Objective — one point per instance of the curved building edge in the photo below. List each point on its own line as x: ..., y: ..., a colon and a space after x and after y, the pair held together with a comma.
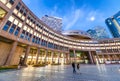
x: 22, y: 34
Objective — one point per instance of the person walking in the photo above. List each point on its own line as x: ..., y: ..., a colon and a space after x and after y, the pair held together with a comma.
x: 73, y: 65
x: 78, y: 67
x: 20, y: 63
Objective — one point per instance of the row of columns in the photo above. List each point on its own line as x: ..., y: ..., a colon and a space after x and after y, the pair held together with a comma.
x: 108, y: 57
x: 27, y: 52
x: 66, y: 57
x: 51, y: 55
x: 90, y: 56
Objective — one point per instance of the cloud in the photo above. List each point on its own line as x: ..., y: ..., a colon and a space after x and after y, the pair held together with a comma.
x: 86, y: 19
x: 91, y: 16
x: 95, y: 15
x: 54, y: 10
x: 74, y: 16
x: 82, y: 18
x: 74, y: 19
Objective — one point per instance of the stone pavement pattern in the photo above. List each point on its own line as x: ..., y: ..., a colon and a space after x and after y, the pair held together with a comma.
x: 64, y: 73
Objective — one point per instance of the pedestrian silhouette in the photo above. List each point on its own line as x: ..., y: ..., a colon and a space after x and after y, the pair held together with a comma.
x: 73, y: 65
x: 78, y: 66
x: 20, y: 63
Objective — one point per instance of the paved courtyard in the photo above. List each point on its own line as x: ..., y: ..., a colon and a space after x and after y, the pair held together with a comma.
x: 64, y: 73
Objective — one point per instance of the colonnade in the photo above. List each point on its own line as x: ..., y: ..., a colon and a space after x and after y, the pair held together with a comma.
x: 35, y: 55
x: 111, y: 58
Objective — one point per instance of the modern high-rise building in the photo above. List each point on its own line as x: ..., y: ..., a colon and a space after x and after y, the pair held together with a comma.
x: 98, y: 33
x: 113, y: 24
x: 53, y: 22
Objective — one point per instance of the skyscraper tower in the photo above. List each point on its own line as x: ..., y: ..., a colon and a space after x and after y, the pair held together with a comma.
x: 54, y: 22
x: 113, y: 24
x: 98, y: 32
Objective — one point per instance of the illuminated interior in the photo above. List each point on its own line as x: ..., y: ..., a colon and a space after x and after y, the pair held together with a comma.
x: 2, y: 13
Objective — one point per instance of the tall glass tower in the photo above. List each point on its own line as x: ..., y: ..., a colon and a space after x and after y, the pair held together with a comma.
x: 113, y: 24
x: 98, y: 32
x: 53, y: 22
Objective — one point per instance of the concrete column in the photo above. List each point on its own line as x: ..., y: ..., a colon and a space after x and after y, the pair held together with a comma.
x: 12, y: 51
x: 115, y: 57
x: 26, y: 55
x: 118, y: 57
x: 52, y: 54
x: 41, y: 56
x: 103, y: 58
x: 98, y: 58
x: 67, y: 58
x: 74, y: 55
x: 91, y: 59
x: 37, y: 55
x: 45, y: 56
x: 110, y: 57
x: 63, y: 58
x: 49, y: 56
x: 58, y: 57
x: 32, y: 54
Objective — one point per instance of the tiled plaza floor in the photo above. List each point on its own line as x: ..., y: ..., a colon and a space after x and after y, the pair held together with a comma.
x: 64, y: 73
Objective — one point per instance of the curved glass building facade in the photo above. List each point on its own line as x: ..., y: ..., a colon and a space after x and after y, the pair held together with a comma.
x: 22, y: 34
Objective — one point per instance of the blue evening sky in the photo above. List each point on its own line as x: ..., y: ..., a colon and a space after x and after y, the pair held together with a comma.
x: 76, y: 14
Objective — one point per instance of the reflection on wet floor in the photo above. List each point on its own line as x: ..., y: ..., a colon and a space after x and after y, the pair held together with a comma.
x: 64, y: 73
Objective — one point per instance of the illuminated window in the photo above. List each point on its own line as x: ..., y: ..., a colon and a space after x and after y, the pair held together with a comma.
x: 36, y: 27
x: 28, y: 29
x: 30, y: 23
x: 9, y: 5
x: 25, y: 28
x: 23, y: 17
x: 11, y: 18
x: 31, y: 31
x: 20, y: 24
x: 3, y: 1
x: 33, y: 25
x: 16, y: 22
x: 2, y: 13
x: 15, y: 11
x: 19, y: 14
x: 27, y: 21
